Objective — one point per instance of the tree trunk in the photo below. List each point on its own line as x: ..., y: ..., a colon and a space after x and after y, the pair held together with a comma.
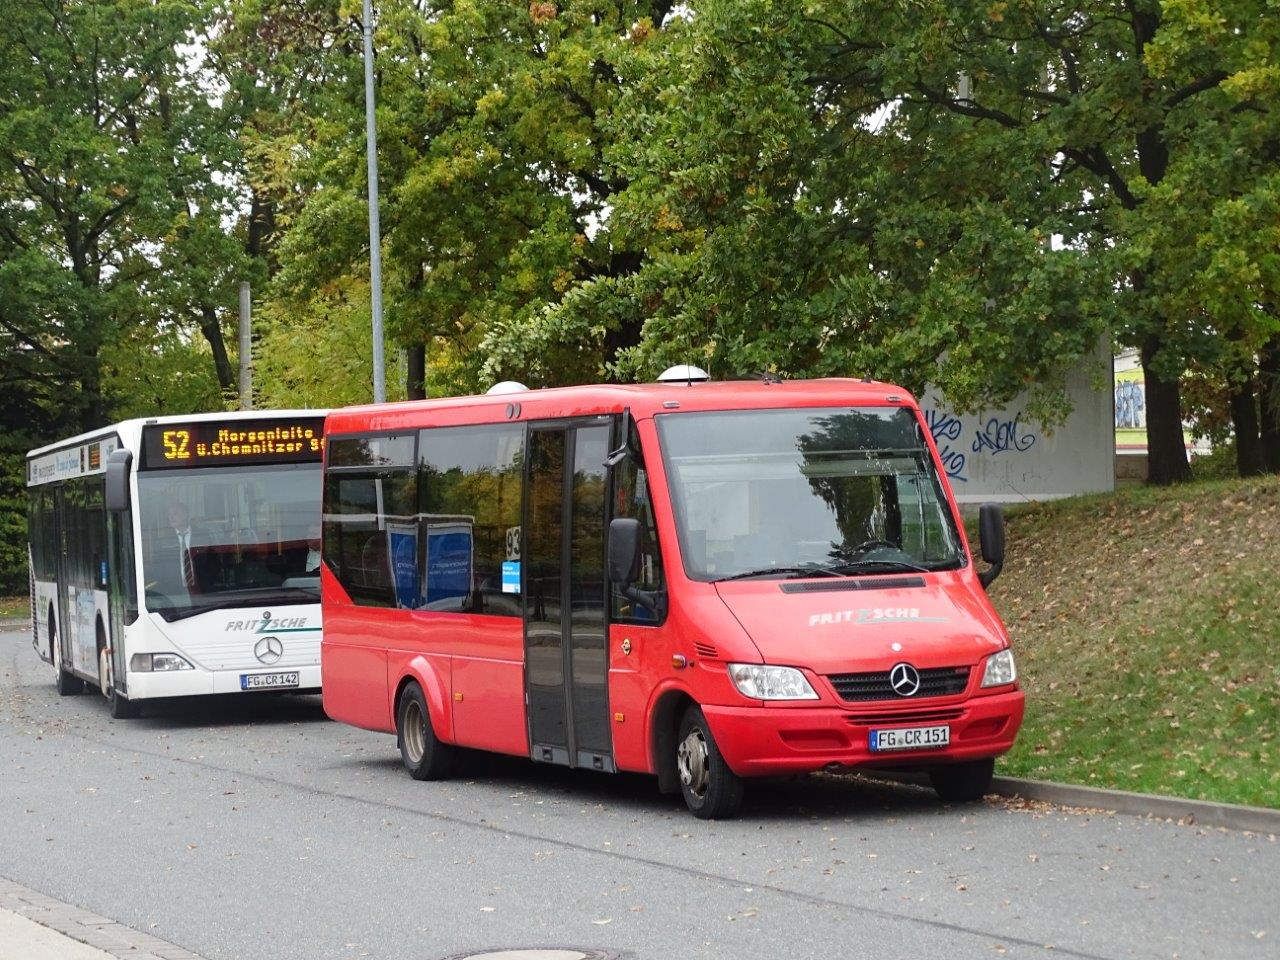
x: 1244, y: 421
x: 416, y: 366
x: 1166, y: 448
x: 93, y: 412
x: 212, y: 330
x: 1269, y: 397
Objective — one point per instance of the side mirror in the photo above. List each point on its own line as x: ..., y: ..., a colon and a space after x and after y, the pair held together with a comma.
x: 991, y: 539
x: 624, y: 551
x: 117, y: 492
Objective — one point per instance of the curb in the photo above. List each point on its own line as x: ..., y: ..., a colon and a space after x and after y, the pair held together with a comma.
x: 1201, y: 813
x: 112, y: 938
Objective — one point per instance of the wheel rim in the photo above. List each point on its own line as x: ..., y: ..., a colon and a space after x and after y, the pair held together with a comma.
x: 693, y: 760
x: 414, y: 732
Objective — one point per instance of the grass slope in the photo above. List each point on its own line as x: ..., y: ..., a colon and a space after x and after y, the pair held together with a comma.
x: 1147, y: 629
x: 14, y: 608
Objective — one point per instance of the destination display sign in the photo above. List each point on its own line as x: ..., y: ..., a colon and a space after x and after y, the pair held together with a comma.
x: 213, y: 443
x: 78, y: 461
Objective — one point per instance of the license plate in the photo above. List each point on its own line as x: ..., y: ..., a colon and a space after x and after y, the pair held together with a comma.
x: 268, y: 681
x: 910, y: 738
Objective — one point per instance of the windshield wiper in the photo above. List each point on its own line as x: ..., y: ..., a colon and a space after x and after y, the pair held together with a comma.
x: 793, y: 571
x: 904, y: 565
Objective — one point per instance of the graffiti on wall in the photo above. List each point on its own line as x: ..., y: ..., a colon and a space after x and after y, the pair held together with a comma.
x: 992, y: 436
x: 1131, y: 404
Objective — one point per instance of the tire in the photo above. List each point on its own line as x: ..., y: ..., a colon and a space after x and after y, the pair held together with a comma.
x: 66, y: 683
x: 121, y: 707
x: 963, y: 782
x: 425, y: 756
x: 711, y: 790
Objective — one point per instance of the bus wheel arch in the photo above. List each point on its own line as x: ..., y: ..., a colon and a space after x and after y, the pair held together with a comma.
x: 664, y: 728
x: 64, y: 681
x: 421, y: 672
x: 425, y: 755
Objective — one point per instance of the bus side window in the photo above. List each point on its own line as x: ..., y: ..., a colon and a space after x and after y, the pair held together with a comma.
x: 631, y: 499
x: 469, y: 502
x: 369, y: 529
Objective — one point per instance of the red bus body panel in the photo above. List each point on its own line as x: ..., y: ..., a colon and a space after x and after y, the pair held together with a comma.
x: 472, y: 667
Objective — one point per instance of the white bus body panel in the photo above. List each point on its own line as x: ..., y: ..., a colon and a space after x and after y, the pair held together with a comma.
x: 45, y: 599
x: 220, y: 645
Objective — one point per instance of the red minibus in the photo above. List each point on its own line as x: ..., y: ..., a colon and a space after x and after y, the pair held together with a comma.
x: 710, y: 582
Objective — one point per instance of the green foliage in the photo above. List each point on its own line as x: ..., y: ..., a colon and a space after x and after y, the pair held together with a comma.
x: 13, y: 523
x: 320, y: 357
x: 1218, y: 464
x: 111, y: 147
x: 1137, y: 621
x: 597, y: 189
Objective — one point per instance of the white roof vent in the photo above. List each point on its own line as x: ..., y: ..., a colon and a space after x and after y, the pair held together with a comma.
x: 684, y: 373
x: 507, y: 386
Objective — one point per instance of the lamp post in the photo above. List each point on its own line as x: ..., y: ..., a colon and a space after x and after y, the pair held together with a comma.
x: 375, y: 230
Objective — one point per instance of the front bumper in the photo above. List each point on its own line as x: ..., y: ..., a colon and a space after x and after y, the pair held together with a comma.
x: 771, y: 740
x: 194, y: 683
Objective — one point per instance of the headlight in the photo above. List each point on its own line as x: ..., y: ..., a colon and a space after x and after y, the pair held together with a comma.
x: 158, y: 662
x: 1000, y: 670
x: 770, y: 683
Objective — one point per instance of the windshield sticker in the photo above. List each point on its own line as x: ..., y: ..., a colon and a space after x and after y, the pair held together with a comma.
x: 873, y: 615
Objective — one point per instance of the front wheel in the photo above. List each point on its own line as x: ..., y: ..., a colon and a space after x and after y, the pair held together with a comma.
x: 425, y: 756
x: 121, y: 707
x: 711, y: 790
x: 963, y: 782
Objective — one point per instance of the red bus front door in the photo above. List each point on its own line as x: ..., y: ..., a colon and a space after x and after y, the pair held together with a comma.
x: 565, y: 590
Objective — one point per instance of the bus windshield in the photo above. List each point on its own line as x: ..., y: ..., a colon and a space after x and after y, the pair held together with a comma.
x: 805, y: 492
x: 230, y: 537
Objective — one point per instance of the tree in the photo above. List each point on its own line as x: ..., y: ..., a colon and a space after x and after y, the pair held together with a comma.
x: 110, y: 206
x: 495, y: 182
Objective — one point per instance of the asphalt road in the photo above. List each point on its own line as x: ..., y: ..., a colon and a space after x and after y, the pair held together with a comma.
x: 258, y: 829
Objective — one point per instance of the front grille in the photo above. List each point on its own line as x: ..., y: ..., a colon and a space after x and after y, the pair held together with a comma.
x: 934, y: 682
x: 866, y: 718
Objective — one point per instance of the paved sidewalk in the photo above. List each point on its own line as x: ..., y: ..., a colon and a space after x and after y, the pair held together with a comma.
x: 36, y: 927
x: 23, y: 939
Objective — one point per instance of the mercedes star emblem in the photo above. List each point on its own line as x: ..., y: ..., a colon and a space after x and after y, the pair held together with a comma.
x: 905, y: 680
x: 269, y: 650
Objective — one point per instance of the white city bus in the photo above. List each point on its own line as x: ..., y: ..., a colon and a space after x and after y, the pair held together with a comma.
x: 178, y: 556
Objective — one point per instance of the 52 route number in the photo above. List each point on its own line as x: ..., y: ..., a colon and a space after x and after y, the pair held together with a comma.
x: 177, y: 444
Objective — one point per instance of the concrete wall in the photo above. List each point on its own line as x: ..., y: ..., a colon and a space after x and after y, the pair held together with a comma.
x: 1003, y: 456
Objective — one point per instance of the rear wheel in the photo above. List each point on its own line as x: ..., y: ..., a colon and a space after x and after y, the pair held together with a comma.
x: 66, y: 683
x: 423, y: 753
x: 711, y: 790
x: 963, y: 782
